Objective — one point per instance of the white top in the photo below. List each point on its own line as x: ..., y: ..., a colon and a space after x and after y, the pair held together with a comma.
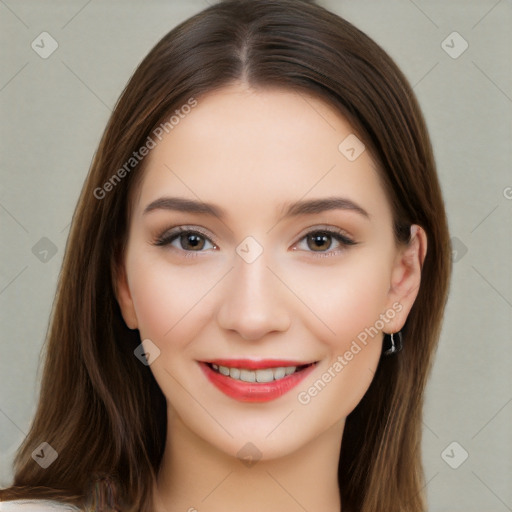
x: 35, y: 506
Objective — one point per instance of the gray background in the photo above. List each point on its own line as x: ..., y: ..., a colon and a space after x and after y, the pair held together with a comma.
x: 55, y: 109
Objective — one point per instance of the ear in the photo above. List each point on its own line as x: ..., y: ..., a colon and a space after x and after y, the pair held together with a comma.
x: 406, y: 277
x: 124, y: 297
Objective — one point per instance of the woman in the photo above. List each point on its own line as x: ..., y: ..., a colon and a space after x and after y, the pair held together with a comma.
x: 261, y: 231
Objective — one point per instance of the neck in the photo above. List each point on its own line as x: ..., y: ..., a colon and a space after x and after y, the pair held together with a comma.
x: 194, y: 476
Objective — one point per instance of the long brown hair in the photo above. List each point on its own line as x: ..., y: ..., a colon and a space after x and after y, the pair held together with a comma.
x: 99, y: 407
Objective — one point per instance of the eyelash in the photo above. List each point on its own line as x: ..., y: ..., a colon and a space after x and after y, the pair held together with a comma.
x: 167, y: 237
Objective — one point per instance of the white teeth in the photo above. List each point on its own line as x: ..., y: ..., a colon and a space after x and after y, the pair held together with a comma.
x: 263, y: 375
x: 234, y: 373
x: 247, y: 376
x: 279, y: 373
x: 266, y: 375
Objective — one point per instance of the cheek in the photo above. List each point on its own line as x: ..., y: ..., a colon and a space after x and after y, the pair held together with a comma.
x: 349, y: 301
x: 344, y: 298
x: 166, y: 298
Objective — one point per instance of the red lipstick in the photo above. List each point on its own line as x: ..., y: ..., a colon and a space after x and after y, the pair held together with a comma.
x: 253, y: 364
x: 255, y: 391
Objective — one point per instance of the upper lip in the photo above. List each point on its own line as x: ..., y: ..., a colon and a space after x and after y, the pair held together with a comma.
x: 257, y: 364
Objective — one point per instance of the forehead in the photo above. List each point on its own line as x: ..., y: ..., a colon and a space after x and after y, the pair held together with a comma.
x: 244, y: 145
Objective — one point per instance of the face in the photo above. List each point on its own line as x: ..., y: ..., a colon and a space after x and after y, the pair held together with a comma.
x: 262, y: 270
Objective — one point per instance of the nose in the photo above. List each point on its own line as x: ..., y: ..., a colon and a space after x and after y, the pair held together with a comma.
x: 253, y: 302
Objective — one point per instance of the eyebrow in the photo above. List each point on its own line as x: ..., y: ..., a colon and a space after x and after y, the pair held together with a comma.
x: 304, y: 207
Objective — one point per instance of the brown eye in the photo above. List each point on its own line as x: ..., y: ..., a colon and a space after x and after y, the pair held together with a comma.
x: 191, y: 241
x: 319, y: 241
x: 325, y: 241
x: 185, y: 240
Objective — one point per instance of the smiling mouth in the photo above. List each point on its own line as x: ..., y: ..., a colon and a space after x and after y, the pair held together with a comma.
x: 250, y: 380
x: 262, y: 375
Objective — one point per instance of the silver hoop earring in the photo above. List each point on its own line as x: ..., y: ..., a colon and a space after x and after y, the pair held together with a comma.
x: 395, y: 346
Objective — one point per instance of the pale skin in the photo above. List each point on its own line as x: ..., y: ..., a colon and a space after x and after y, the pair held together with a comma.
x: 252, y: 153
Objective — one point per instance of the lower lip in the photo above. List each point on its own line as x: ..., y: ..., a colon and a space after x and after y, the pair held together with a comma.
x: 253, y: 391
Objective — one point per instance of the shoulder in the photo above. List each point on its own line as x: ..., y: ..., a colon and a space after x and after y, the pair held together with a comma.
x: 35, y: 506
